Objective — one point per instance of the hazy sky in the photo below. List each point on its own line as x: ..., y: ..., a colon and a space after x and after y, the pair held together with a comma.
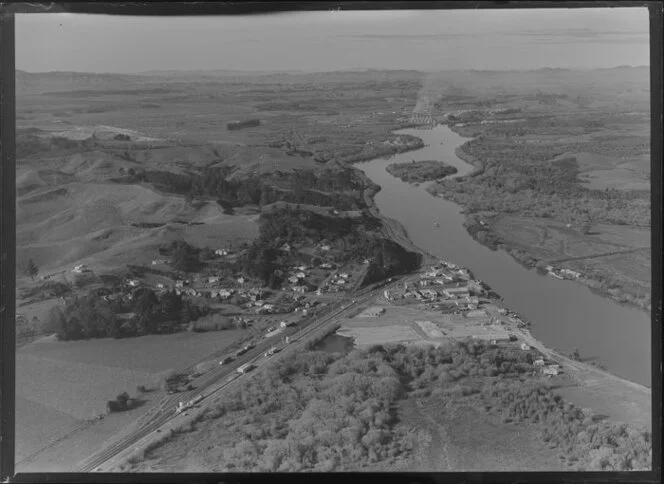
x: 406, y: 39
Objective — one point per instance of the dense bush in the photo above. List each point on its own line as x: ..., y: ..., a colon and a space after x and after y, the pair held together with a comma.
x: 420, y: 171
x: 522, y: 179
x: 92, y: 317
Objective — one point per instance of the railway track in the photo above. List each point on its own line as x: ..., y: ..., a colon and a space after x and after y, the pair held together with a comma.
x: 112, y: 454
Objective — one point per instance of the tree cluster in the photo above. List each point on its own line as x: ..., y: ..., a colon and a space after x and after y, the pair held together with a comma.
x: 91, y: 316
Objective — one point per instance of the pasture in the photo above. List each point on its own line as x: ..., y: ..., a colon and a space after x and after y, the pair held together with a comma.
x: 60, y: 385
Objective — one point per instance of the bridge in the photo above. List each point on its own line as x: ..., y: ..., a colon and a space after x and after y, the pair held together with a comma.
x: 425, y: 120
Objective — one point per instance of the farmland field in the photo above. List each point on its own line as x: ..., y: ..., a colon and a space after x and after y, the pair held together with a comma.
x: 62, y: 384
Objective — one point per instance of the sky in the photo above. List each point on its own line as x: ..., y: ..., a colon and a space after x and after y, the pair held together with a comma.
x: 425, y: 40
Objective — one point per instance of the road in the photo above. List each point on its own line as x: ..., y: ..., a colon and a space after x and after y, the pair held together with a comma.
x: 220, y: 379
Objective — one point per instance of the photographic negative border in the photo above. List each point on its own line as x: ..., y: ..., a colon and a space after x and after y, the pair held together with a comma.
x: 8, y: 228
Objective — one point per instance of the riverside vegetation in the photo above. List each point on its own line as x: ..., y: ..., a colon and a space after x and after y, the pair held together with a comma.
x: 420, y: 171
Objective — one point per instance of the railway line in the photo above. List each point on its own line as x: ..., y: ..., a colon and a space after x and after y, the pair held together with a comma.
x: 220, y: 379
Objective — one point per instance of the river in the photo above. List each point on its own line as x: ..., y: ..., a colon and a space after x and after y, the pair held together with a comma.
x: 564, y: 315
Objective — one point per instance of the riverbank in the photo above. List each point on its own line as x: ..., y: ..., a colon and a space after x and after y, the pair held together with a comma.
x: 391, y: 228
x: 485, y: 229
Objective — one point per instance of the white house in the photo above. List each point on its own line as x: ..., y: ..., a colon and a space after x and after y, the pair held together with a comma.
x: 179, y: 283
x: 300, y: 288
x: 456, y: 292
x: 240, y: 280
x: 344, y: 275
x: 224, y: 293
x: 160, y: 286
x: 300, y: 275
x: 326, y: 266
x: 550, y: 370
x: 325, y: 247
x: 293, y: 279
x: 570, y: 273
x: 538, y: 362
x: 525, y: 347
x: 213, y: 280
x: 133, y: 282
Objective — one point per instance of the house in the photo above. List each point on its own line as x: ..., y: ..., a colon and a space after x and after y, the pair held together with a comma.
x: 326, y: 266
x: 344, y: 275
x: 340, y: 282
x: 451, y: 292
x: 214, y: 294
x: 224, y: 293
x: 285, y: 248
x: 300, y: 288
x: 301, y: 268
x: 286, y: 324
x: 551, y: 370
x: 425, y: 282
x: 133, y: 282
x: 160, y: 286
x: 538, y: 362
x: 293, y: 279
x: 240, y: 280
x: 525, y: 347
x: 475, y: 286
x: 179, y: 283
x: 325, y: 248
x: 463, y: 273
x: 571, y: 273
x: 221, y: 252
x: 213, y: 280
x: 300, y: 275
x: 386, y: 293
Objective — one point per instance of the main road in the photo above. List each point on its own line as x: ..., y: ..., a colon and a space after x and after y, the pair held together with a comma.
x: 222, y: 378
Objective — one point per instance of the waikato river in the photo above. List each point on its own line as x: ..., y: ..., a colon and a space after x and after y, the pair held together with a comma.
x: 565, y: 315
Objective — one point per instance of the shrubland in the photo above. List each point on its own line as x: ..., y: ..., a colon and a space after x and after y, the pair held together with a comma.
x: 316, y: 411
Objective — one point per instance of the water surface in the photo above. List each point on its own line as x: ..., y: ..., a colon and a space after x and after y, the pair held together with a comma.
x: 565, y: 315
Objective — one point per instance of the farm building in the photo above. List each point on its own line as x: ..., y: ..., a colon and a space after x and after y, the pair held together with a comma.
x: 456, y: 292
x: 247, y: 123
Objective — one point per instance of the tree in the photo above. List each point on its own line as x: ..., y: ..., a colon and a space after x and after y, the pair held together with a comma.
x: 31, y: 269
x: 184, y: 260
